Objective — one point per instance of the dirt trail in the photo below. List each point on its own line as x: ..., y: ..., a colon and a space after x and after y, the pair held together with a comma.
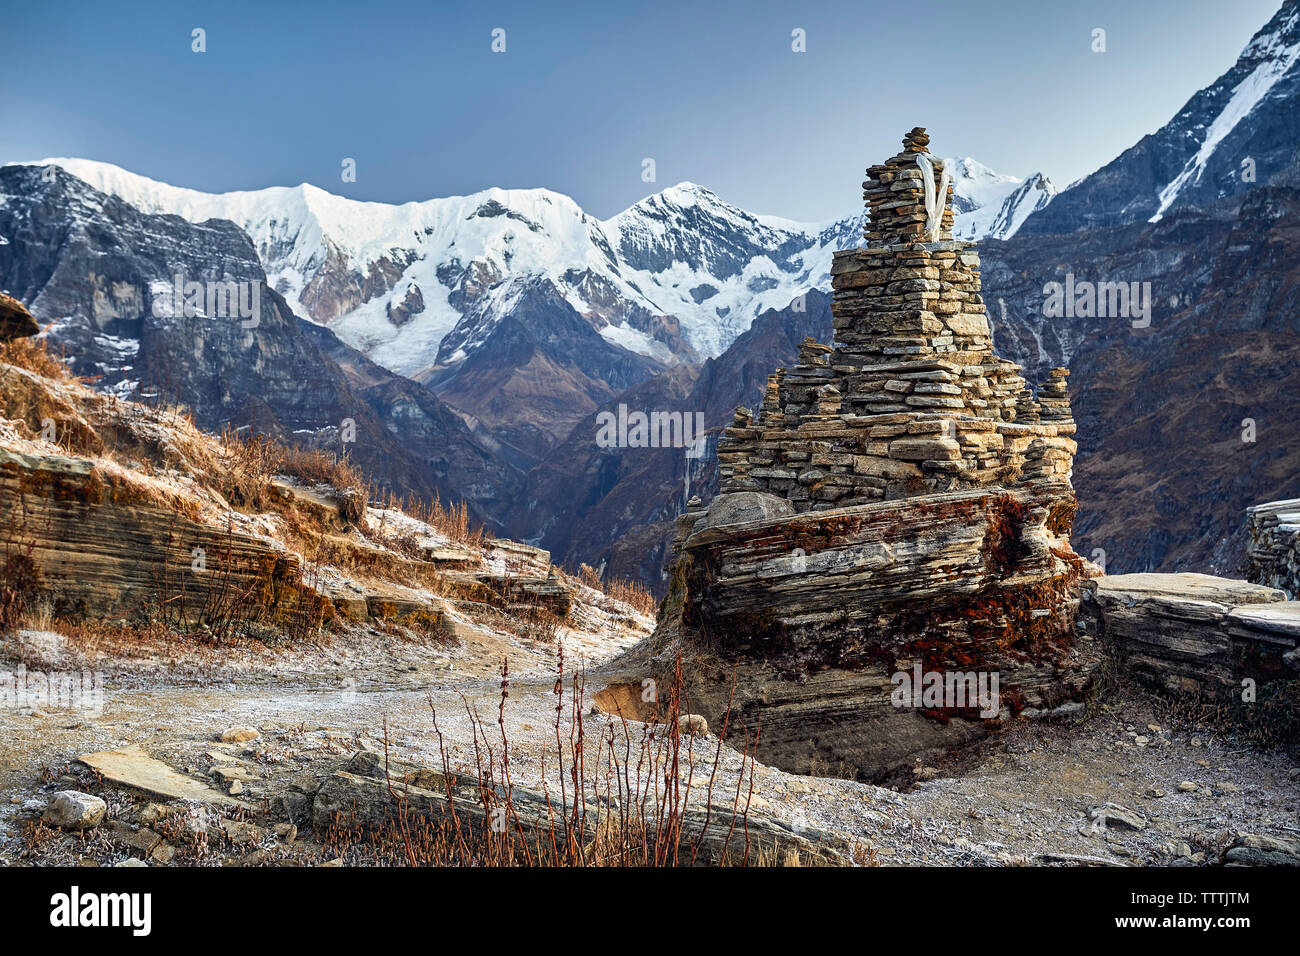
x: 1024, y: 796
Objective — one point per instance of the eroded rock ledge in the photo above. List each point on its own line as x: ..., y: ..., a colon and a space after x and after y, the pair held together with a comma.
x: 816, y: 613
x: 1198, y: 637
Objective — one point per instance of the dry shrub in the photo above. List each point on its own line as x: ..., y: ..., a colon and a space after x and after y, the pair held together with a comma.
x: 452, y: 521
x: 20, y: 582
x: 619, y: 798
x: 33, y: 354
x: 588, y: 576
x: 319, y: 467
x: 32, y: 402
x: 1270, y: 722
x: 632, y: 593
x: 253, y: 463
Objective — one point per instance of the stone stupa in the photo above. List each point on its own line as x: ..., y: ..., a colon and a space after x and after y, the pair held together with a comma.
x: 900, y: 504
x: 910, y: 399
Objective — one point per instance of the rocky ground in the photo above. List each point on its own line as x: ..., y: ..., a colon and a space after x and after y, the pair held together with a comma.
x: 1127, y: 784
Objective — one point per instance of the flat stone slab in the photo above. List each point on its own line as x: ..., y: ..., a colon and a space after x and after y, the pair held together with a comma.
x: 1282, y: 618
x: 1188, y: 586
x: 440, y: 554
x: 518, y: 547
x: 132, y: 767
x: 1287, y: 504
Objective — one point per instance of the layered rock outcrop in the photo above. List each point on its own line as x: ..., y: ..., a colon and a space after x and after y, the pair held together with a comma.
x: 102, y: 546
x: 1194, y: 635
x: 1206, y: 642
x: 1273, y: 555
x: 896, y: 516
x: 110, y: 510
x: 103, y: 543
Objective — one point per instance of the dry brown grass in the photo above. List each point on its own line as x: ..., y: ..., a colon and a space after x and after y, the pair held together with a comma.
x: 151, y: 640
x: 1272, y: 722
x: 631, y: 593
x: 33, y: 403
x: 34, y: 356
x: 253, y: 462
x: 320, y: 467
x: 451, y: 521
x: 618, y: 799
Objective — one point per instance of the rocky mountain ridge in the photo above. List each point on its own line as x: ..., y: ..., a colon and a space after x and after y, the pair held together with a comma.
x: 675, y: 277
x: 100, y: 274
x: 1240, y: 131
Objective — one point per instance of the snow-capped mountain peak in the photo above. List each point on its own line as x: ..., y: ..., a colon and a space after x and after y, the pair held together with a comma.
x: 676, y: 276
x: 686, y: 194
x: 1237, y: 132
x: 1269, y: 56
x: 993, y: 205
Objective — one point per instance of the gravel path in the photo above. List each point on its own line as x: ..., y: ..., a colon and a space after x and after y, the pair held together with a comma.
x: 1024, y: 796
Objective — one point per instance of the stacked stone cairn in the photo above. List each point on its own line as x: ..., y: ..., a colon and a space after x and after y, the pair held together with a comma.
x: 910, y: 398
x: 900, y: 501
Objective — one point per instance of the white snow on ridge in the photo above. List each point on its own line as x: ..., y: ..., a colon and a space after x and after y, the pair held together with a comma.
x: 1249, y: 93
x: 714, y: 297
x: 683, y: 252
x: 1002, y: 203
x: 298, y: 230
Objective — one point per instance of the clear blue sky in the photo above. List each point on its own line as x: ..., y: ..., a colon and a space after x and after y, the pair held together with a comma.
x: 585, y: 91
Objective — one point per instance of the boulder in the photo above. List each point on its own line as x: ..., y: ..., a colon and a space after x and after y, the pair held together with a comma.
x: 74, y: 810
x: 1112, y: 815
x: 1184, y: 587
x: 401, y: 773
x: 693, y: 724
x: 238, y: 735
x: 98, y: 543
x: 1261, y: 850
x: 15, y: 321
x: 817, y: 614
x: 743, y: 506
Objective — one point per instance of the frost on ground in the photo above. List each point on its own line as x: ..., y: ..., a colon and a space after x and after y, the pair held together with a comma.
x: 1124, y: 786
